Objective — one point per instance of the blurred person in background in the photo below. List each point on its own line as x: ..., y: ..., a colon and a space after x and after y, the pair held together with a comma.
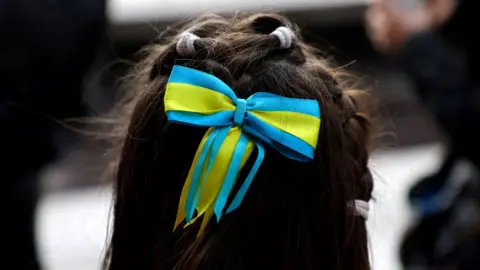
x: 436, y: 46
x: 47, y: 47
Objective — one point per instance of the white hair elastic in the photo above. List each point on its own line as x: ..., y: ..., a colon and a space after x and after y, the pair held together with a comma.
x: 361, y: 208
x: 284, y: 35
x: 186, y: 44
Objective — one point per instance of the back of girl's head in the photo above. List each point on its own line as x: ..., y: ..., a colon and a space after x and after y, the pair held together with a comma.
x: 295, y: 215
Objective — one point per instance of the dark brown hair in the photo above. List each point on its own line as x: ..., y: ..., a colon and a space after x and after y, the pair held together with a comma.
x: 295, y: 215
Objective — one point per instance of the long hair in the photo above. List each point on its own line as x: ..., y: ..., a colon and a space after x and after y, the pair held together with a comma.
x: 295, y: 215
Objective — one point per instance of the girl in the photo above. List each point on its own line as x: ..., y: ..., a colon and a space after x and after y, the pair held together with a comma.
x: 242, y: 151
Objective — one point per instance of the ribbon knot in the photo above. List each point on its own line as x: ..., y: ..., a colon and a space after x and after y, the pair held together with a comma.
x: 290, y: 126
x: 240, y: 112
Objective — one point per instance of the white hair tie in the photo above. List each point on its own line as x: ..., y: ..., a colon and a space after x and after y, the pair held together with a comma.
x: 186, y: 44
x: 284, y: 35
x: 361, y: 208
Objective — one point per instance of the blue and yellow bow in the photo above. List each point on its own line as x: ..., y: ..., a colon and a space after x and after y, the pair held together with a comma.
x: 192, y: 97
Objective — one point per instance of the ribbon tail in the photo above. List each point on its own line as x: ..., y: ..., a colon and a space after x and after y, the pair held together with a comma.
x: 198, y: 174
x: 237, y: 200
x: 219, y: 171
x: 216, y: 146
x: 232, y: 174
x: 189, y: 183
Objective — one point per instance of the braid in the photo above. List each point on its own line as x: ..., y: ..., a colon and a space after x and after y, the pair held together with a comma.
x: 357, y: 127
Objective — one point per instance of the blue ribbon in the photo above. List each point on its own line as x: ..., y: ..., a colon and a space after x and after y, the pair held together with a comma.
x: 254, y: 129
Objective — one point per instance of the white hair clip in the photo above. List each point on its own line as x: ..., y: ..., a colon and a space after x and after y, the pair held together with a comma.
x: 186, y: 44
x: 284, y: 35
x: 361, y: 208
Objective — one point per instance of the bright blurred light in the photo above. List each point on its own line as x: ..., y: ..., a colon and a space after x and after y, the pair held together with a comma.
x: 128, y: 11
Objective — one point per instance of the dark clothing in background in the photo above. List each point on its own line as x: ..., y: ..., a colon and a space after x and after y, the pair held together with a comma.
x: 461, y: 31
x: 443, y: 82
x: 447, y: 239
x: 444, y: 65
x: 47, y: 47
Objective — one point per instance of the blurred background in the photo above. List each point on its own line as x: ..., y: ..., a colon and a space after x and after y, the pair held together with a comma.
x: 63, y: 59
